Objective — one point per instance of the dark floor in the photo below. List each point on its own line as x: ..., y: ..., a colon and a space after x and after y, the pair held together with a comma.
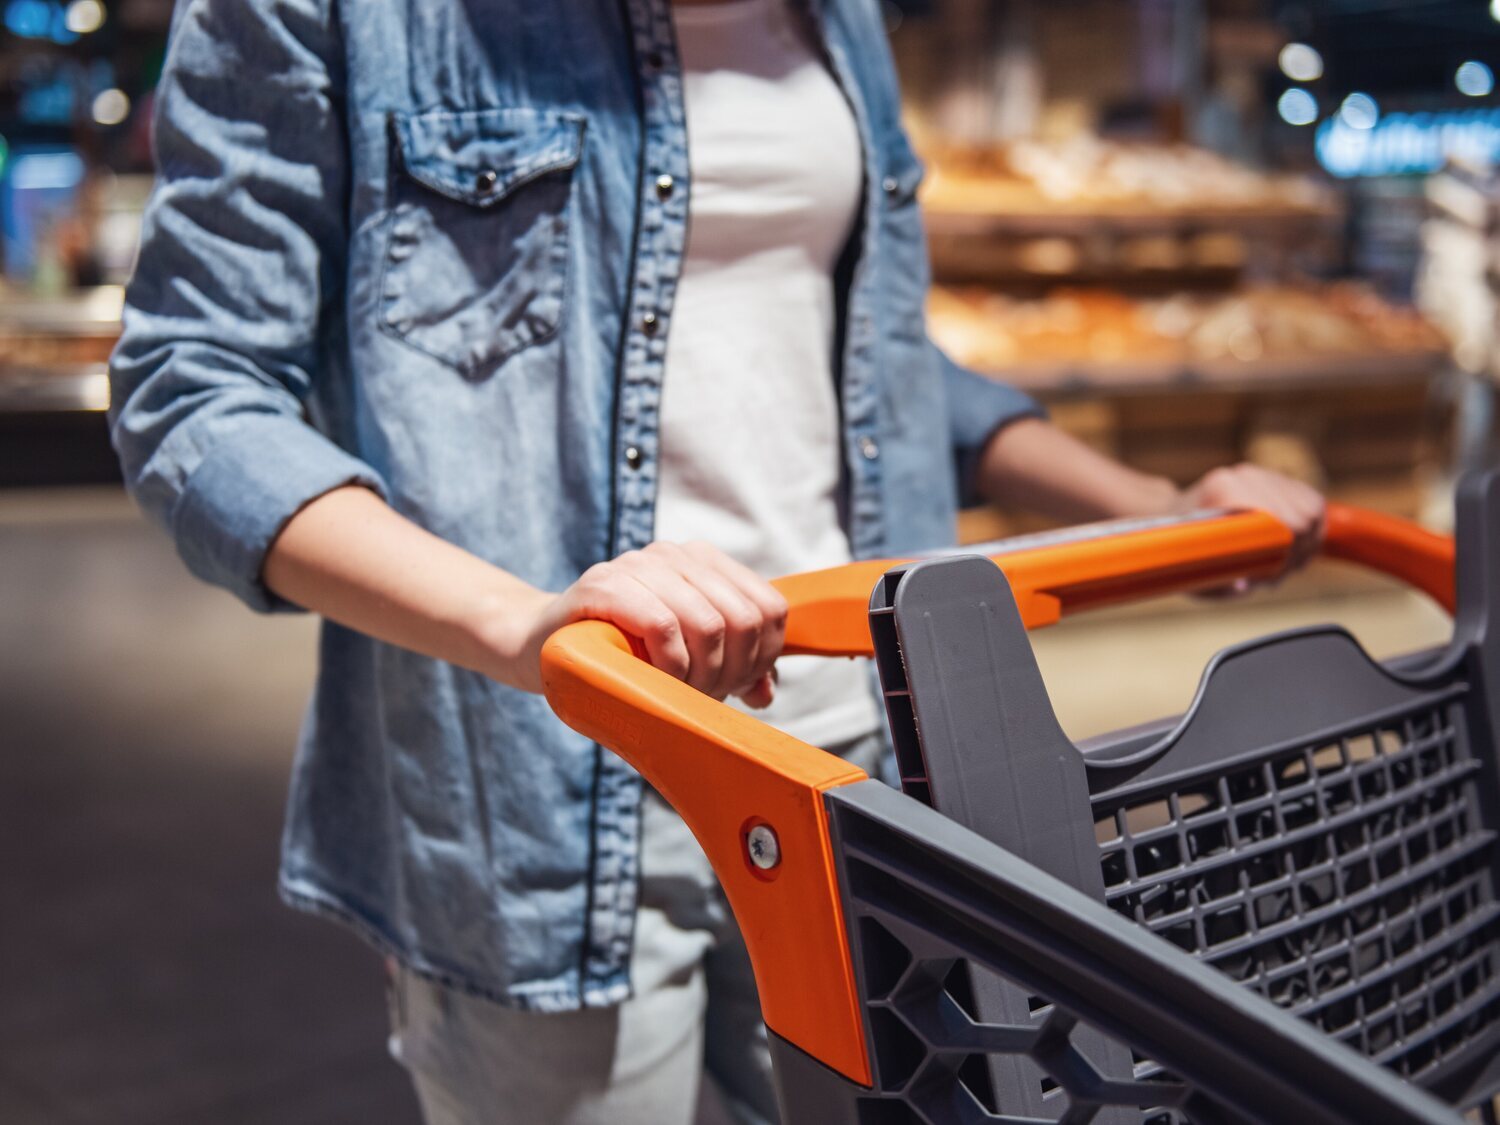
x: 148, y: 973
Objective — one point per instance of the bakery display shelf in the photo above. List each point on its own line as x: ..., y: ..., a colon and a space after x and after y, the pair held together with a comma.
x: 88, y: 312
x: 1086, y: 207
x: 947, y: 220
x: 62, y: 389
x: 1063, y: 378
x: 42, y: 336
x: 1020, y: 252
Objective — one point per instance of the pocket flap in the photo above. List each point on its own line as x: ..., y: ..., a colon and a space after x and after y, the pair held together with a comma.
x: 479, y: 157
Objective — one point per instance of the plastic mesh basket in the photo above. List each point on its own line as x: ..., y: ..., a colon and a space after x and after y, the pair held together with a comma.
x: 1317, y: 828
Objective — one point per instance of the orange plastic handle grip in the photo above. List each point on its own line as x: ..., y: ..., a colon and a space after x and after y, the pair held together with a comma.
x: 726, y: 773
x: 828, y: 606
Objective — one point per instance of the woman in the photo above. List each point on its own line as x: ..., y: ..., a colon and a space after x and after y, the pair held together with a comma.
x: 459, y: 320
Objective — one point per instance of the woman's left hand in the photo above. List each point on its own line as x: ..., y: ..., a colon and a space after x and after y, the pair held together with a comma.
x: 1295, y: 504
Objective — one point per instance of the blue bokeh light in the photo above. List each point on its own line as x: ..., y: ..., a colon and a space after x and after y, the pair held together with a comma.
x: 1297, y: 107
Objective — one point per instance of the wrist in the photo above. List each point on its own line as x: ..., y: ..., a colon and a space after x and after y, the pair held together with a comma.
x: 1158, y: 496
x: 498, y: 633
x: 1136, y: 495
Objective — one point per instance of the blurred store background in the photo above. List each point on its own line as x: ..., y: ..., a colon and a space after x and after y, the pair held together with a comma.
x: 1201, y: 230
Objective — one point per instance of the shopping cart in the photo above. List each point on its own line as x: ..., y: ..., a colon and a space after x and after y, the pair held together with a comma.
x: 1315, y: 839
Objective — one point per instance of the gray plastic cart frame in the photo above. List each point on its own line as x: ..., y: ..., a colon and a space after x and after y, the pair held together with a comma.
x: 985, y: 960
x: 1317, y: 826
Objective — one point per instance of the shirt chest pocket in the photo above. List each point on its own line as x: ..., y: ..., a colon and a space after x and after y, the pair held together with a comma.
x: 476, y: 262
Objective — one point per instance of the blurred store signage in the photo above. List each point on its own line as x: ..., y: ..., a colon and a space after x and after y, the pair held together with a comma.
x: 1409, y: 143
x: 35, y: 197
x: 40, y: 19
x: 46, y: 171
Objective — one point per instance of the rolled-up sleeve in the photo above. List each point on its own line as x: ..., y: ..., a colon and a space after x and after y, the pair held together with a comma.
x: 242, y: 257
x: 978, y: 409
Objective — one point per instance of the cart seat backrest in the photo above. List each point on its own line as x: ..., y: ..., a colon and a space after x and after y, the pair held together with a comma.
x: 1318, y: 827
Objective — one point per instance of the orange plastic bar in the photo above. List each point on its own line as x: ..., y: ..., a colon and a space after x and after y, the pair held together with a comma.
x: 1418, y: 557
x: 829, y: 606
x: 1050, y: 581
x: 727, y: 773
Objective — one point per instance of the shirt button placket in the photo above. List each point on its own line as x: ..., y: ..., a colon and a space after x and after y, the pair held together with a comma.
x: 661, y: 203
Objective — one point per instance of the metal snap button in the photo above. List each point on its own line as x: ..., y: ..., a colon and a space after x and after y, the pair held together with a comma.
x: 650, y: 324
x: 869, y: 448
x: 890, y: 185
x: 634, y: 456
x: 664, y: 186
x: 485, y: 182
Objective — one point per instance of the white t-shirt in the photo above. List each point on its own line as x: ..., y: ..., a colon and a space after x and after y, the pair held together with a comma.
x: 749, y: 417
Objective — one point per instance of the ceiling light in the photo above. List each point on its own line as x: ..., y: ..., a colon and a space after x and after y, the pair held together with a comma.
x: 1474, y: 79
x: 1297, y: 107
x: 1302, y: 63
x: 84, y: 16
x: 1359, y: 111
x: 111, y: 107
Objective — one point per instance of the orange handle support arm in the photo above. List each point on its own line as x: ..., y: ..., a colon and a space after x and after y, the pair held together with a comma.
x: 727, y: 773
x: 1418, y: 557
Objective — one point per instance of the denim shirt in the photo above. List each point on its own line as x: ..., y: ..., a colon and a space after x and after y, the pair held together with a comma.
x: 431, y: 246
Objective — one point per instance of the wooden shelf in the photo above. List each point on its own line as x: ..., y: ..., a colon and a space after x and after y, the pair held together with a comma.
x: 946, y: 221
x: 1069, y: 378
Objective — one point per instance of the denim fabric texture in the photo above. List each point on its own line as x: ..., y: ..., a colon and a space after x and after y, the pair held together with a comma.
x: 422, y: 245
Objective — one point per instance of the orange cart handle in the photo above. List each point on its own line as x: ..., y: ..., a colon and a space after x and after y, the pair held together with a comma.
x: 1422, y: 559
x: 727, y: 773
x: 1098, y: 566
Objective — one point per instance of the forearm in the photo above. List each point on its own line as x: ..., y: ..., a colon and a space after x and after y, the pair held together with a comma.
x: 701, y: 616
x: 353, y: 559
x: 1032, y: 464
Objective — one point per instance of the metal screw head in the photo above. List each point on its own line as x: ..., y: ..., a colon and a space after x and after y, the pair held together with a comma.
x: 764, y: 848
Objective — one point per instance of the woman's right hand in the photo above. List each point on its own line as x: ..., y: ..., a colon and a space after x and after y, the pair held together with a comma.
x: 702, y: 617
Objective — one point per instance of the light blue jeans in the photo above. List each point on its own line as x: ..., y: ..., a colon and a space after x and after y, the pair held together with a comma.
x: 695, y: 1011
